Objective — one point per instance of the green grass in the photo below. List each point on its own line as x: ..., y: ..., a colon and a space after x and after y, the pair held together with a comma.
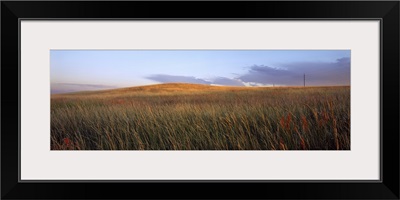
x: 197, y: 117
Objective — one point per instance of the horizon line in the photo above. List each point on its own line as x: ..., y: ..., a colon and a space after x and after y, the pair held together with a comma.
x: 183, y: 83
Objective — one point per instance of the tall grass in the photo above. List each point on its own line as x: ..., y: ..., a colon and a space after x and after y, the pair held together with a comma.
x: 161, y: 118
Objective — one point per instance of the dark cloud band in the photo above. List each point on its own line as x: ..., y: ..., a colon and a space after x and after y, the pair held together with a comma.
x: 317, y: 73
x: 289, y: 74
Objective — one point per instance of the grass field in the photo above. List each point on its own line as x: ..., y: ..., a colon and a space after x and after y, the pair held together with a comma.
x: 202, y: 117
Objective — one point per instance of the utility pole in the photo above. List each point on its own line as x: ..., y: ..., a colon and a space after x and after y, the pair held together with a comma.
x: 304, y: 80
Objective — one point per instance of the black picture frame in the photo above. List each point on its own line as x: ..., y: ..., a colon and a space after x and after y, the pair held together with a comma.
x: 386, y: 11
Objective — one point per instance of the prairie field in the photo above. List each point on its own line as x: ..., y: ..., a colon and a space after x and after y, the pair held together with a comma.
x: 202, y: 117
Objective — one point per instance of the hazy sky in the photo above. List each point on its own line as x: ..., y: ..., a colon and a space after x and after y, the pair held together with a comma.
x: 78, y: 70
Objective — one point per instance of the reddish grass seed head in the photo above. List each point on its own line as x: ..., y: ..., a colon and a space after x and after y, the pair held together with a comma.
x: 66, y: 141
x: 282, y: 122
x: 304, y: 122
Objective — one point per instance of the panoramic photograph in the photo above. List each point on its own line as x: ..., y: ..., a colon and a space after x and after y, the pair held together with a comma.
x: 200, y: 99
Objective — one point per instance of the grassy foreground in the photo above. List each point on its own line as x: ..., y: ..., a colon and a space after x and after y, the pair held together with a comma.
x: 199, y: 117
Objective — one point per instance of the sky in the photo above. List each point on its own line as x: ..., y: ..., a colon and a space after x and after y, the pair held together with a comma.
x: 84, y: 70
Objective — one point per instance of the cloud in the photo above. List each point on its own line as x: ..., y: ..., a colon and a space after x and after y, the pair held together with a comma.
x: 163, y: 78
x: 227, y: 81
x: 268, y: 75
x: 284, y: 74
x: 57, y: 88
x: 317, y: 73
